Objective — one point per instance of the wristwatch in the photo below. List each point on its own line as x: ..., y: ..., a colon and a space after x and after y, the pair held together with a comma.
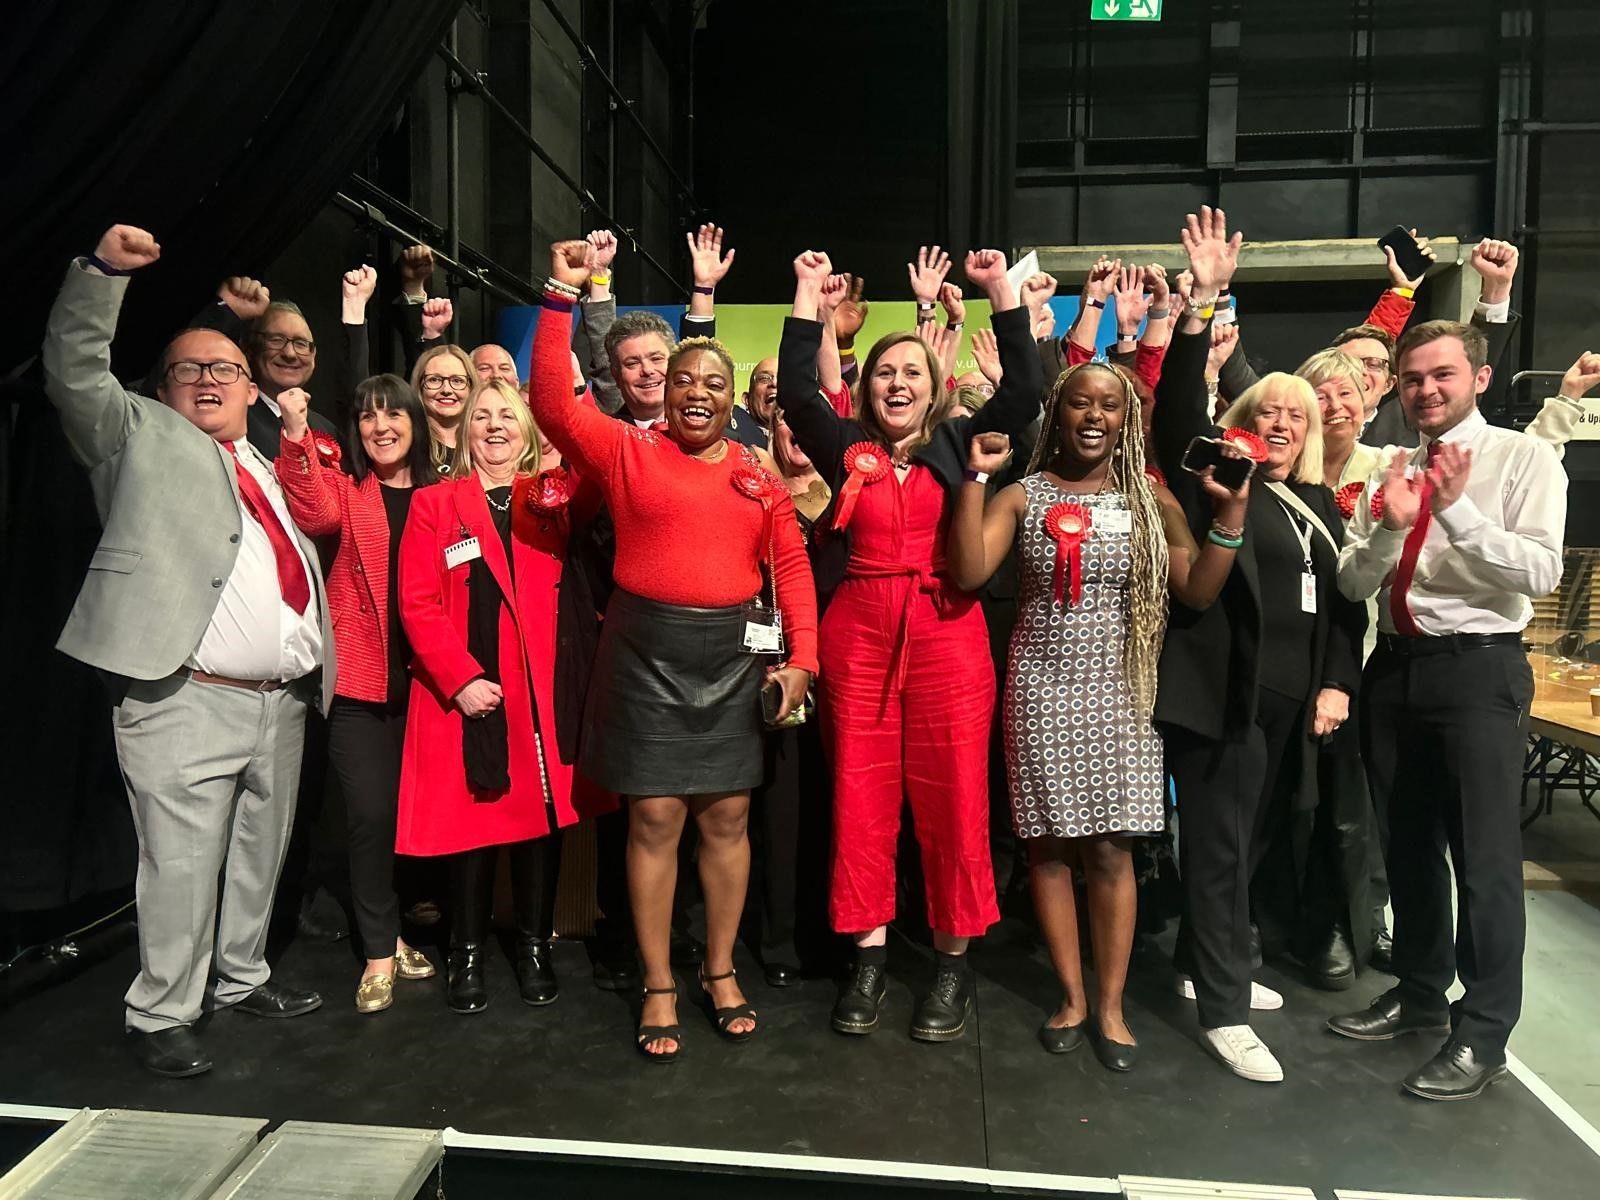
x: 972, y: 476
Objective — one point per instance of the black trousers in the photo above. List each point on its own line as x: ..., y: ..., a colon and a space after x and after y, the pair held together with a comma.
x: 1446, y: 736
x: 535, y: 866
x: 365, y: 741
x: 1225, y: 791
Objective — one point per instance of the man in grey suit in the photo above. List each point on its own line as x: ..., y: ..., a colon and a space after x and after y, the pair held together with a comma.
x: 204, y: 609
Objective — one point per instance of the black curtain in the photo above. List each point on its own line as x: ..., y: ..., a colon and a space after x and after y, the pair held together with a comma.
x: 222, y: 128
x: 981, y: 165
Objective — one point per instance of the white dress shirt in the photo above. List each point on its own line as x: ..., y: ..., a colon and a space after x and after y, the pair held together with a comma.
x: 1486, y: 554
x: 253, y: 633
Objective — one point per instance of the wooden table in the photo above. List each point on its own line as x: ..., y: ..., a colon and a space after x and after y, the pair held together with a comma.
x: 1563, y: 732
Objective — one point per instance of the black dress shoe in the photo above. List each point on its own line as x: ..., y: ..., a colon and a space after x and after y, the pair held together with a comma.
x: 275, y: 1000
x: 1388, y: 1017
x: 1333, y: 967
x: 941, y: 1015
x: 536, y: 974
x: 1457, y: 1072
x: 1114, y: 1056
x: 618, y: 971
x: 175, y: 1053
x: 321, y: 919
x: 856, y: 1010
x: 1061, y: 1039
x: 686, y: 950
x: 1382, y: 957
x: 780, y: 974
x: 465, y: 990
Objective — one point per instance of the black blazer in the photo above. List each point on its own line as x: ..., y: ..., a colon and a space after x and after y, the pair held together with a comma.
x: 1211, y: 663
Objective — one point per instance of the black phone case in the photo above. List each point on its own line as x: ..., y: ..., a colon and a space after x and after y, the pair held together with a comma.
x: 1412, y: 260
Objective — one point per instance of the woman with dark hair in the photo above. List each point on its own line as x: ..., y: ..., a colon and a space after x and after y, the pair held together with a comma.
x: 1082, y: 757
x: 907, y: 682
x: 481, y: 568
x: 368, y: 509
x: 674, y: 712
x: 443, y: 377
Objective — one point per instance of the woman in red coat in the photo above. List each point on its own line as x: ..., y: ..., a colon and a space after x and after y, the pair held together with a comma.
x: 479, y: 568
x: 367, y: 509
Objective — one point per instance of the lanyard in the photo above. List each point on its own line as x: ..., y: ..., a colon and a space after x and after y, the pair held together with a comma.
x: 1302, y: 534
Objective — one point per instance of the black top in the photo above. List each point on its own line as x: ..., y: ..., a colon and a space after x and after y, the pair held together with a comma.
x: 1287, y: 630
x: 397, y: 507
x: 499, y: 500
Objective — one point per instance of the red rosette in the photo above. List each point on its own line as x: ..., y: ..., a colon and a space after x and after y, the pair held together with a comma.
x: 754, y: 482
x: 551, y: 490
x: 864, y: 463
x: 1377, y: 504
x: 327, y: 448
x: 1253, y: 447
x: 1346, y: 498
x: 1154, y: 475
x: 1068, y: 524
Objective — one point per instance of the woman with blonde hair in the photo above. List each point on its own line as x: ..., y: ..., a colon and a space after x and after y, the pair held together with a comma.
x: 480, y: 568
x: 1083, y: 760
x: 443, y: 377
x: 1251, y: 683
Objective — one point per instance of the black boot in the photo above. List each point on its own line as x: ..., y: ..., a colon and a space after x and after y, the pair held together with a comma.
x: 856, y: 1010
x: 1333, y: 967
x: 466, y: 990
x: 536, y: 974
x: 941, y: 1015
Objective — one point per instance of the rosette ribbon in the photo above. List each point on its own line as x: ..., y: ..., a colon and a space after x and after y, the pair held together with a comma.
x: 1346, y: 498
x: 1377, y: 504
x: 551, y: 489
x: 327, y: 448
x: 1068, y: 524
x: 864, y: 463
x: 1248, y: 443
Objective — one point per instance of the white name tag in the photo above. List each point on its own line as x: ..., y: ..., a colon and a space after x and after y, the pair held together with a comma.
x: 462, y: 552
x: 1116, y: 520
x: 1308, y: 593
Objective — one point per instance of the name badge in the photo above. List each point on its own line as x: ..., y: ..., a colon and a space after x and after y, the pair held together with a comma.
x: 462, y: 552
x: 1114, y: 520
x: 763, y: 630
x: 1308, y: 593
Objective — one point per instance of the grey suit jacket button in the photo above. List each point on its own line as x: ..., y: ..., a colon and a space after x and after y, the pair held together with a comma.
x: 234, y: 538
x: 216, y: 581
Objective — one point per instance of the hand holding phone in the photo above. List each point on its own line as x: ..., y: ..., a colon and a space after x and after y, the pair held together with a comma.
x: 1228, y: 468
x: 1408, y: 255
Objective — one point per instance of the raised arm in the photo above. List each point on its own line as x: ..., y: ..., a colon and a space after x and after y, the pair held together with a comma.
x: 1558, y: 419
x: 355, y: 292
x: 820, y: 431
x: 314, y: 493
x: 1196, y: 571
x: 1097, y: 290
x: 596, y: 312
x: 981, y: 535
x: 708, y: 265
x: 1016, y: 399
x: 848, y: 319
x: 830, y: 374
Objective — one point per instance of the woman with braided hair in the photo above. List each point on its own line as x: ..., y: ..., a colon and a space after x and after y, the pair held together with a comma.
x: 1099, y: 547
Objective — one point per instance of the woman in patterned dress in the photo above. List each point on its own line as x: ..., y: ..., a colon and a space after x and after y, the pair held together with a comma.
x: 1083, y: 759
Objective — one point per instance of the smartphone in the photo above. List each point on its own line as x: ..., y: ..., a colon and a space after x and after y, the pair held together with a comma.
x: 771, y: 701
x: 1227, y: 470
x: 1411, y: 260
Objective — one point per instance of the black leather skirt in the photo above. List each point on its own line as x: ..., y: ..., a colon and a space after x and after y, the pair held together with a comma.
x: 674, y: 705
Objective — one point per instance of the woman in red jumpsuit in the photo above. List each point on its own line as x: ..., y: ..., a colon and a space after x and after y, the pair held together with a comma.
x: 906, y: 681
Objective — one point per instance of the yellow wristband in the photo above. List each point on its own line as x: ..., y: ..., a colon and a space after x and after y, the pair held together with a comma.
x: 602, y: 279
x: 1405, y: 293
x: 1206, y: 313
x: 847, y: 351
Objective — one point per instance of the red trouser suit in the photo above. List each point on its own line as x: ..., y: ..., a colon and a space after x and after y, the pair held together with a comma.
x: 907, y: 696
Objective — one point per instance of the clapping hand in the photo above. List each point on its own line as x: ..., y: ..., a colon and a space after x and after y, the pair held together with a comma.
x: 1448, y: 474
x: 1402, y: 493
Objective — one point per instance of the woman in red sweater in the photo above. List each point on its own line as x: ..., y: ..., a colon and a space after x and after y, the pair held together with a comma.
x: 367, y: 509
x: 480, y: 564
x: 673, y: 719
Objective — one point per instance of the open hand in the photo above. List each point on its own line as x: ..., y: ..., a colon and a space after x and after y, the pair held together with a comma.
x: 986, y: 349
x: 1448, y: 473
x: 927, y: 273
x: 1132, y: 303
x: 706, y: 259
x: 1213, y: 255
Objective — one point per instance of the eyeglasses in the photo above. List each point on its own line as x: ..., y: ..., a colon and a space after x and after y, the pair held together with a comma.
x: 1374, y: 364
x: 223, y: 372
x: 764, y: 377
x: 432, y: 383
x: 986, y: 389
x: 277, y: 341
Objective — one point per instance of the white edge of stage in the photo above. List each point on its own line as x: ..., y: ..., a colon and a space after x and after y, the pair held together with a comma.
x: 37, y: 1112
x: 813, y: 1164
x: 1551, y: 1099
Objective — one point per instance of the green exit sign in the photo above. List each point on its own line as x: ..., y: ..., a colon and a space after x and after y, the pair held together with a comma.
x: 1125, y: 10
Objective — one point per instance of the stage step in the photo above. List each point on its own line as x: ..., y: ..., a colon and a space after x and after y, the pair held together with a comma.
x: 117, y: 1154
x: 1144, y: 1187
x: 305, y: 1160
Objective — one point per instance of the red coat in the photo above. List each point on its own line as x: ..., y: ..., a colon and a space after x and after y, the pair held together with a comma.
x: 323, y: 500
x: 439, y: 813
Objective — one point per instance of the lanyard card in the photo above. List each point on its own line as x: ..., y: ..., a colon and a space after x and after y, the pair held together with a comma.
x: 763, y: 629
x: 1113, y: 520
x: 1308, y: 592
x: 462, y: 552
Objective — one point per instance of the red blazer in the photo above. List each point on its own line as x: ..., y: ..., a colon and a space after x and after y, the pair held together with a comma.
x: 439, y: 813
x: 324, y: 500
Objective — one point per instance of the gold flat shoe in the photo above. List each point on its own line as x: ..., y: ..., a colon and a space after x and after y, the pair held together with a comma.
x: 375, y: 994
x: 410, y: 963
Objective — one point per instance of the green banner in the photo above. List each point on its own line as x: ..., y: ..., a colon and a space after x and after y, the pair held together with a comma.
x: 1125, y: 10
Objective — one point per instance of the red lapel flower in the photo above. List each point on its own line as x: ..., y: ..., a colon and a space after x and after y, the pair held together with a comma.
x: 1068, y: 524
x: 327, y: 448
x: 1253, y: 447
x: 1346, y: 498
x: 551, y: 489
x: 1377, y: 504
x: 864, y: 463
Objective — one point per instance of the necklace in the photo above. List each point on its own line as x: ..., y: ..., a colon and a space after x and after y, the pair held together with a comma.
x: 506, y: 507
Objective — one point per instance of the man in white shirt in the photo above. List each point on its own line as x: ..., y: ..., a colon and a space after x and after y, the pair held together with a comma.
x: 1454, y: 539
x: 204, y: 609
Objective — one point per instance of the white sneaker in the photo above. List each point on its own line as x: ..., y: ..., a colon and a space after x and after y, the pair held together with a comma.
x: 1242, y: 1052
x: 1262, y: 998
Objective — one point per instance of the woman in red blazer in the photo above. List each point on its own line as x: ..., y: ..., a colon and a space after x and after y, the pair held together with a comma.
x: 367, y: 509
x: 480, y: 564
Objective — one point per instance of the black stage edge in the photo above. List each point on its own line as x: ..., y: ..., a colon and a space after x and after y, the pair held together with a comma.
x: 993, y: 1101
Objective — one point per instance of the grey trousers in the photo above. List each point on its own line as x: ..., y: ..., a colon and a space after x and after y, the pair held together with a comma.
x: 212, y: 773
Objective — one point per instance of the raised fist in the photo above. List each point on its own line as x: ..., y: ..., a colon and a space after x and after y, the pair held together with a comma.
x: 986, y: 268
x: 955, y: 309
x: 1581, y: 376
x: 1037, y: 290
x: 293, y: 403
x: 604, y: 243
x: 835, y: 289
x: 416, y: 270
x: 988, y: 452
x: 358, y: 285
x: 1496, y: 262
x: 127, y: 248
x: 813, y: 266
x: 436, y: 317
x: 248, y: 298
x: 569, y: 262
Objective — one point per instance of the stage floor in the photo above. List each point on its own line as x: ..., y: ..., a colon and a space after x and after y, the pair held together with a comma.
x: 993, y: 1100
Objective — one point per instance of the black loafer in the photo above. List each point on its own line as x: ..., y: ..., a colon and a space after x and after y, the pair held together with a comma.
x: 536, y: 974
x: 465, y: 989
x: 780, y: 974
x: 941, y: 1015
x: 856, y: 1010
x: 1387, y: 1018
x: 1333, y: 967
x: 1455, y: 1073
x: 1114, y: 1056
x: 175, y: 1053
x: 1061, y: 1039
x: 274, y: 1000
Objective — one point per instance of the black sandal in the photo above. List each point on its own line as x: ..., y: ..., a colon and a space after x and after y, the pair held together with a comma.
x: 650, y: 1033
x: 724, y: 1017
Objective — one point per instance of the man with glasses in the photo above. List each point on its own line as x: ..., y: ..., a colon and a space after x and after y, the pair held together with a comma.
x: 205, y: 612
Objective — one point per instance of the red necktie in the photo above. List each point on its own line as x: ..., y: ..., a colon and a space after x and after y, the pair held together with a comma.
x: 292, y: 581
x: 1399, y: 613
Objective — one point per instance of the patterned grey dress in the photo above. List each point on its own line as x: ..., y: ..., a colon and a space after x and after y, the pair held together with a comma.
x: 1080, y: 759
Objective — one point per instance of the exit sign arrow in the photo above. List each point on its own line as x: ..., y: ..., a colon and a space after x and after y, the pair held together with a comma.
x: 1125, y: 10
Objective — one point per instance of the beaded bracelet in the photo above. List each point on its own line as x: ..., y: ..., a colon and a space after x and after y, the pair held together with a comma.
x: 556, y: 288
